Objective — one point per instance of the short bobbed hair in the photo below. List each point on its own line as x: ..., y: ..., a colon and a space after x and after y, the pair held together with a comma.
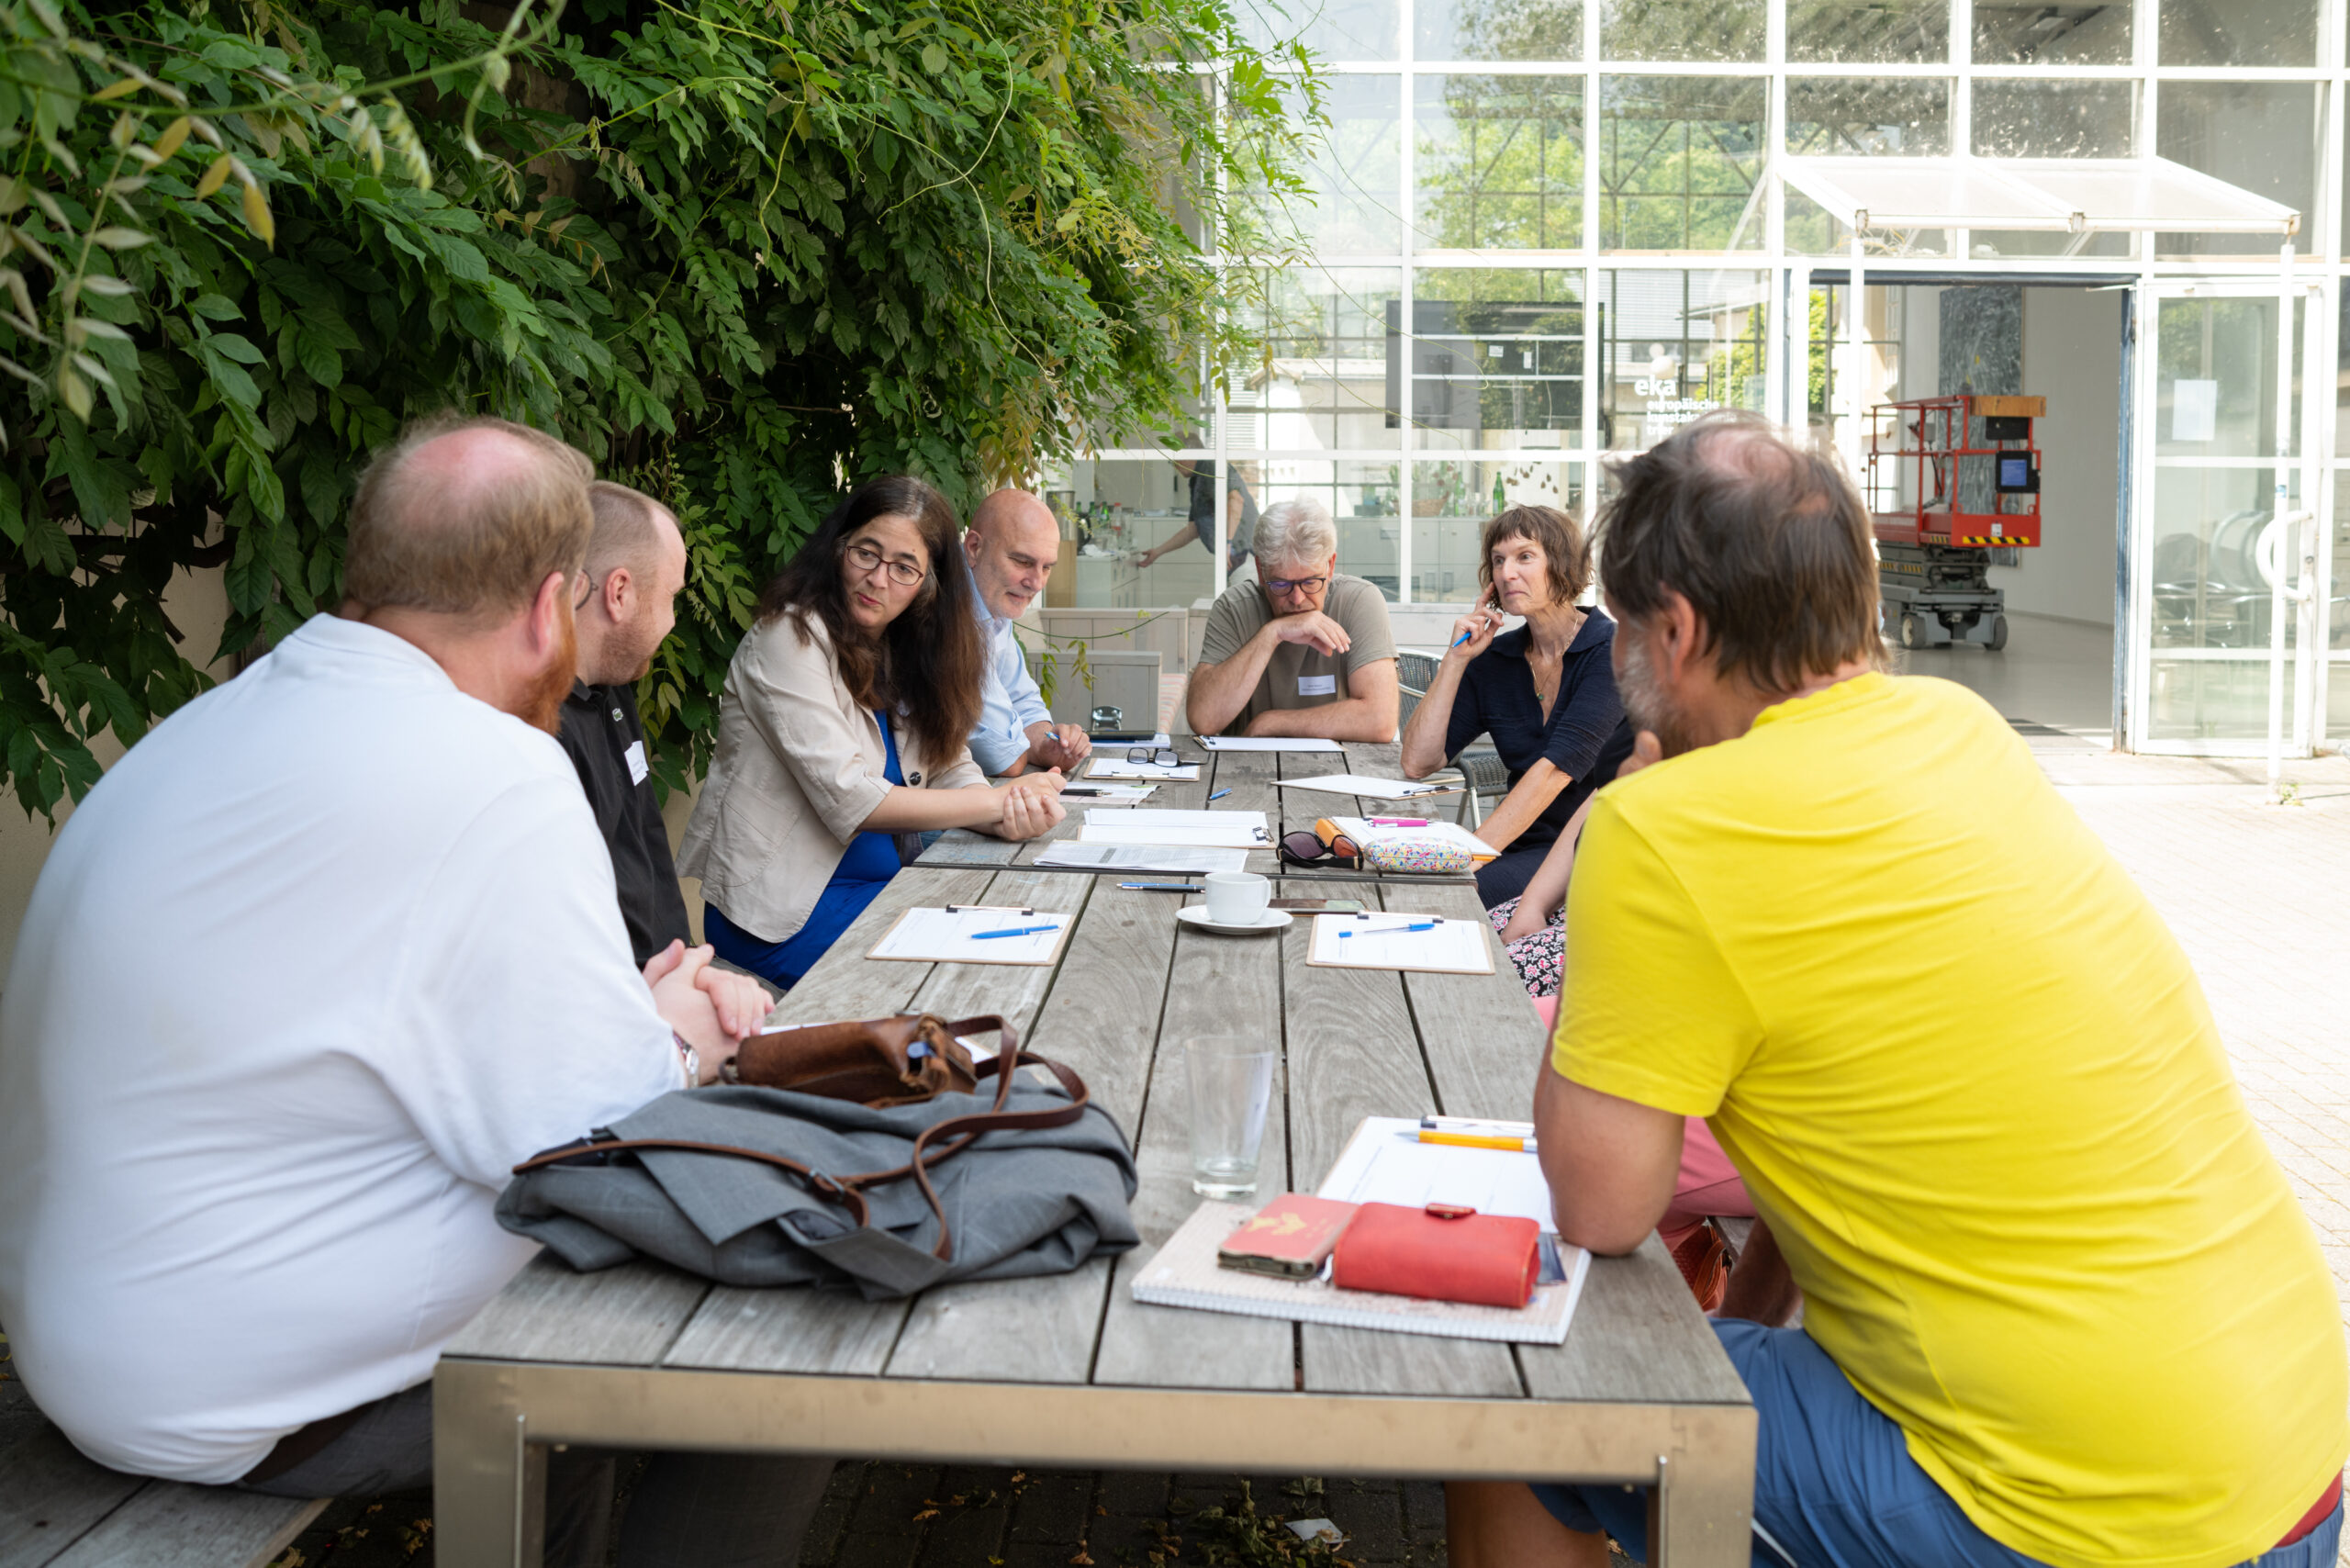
x: 431, y: 539
x: 1766, y: 538
x: 1566, y: 553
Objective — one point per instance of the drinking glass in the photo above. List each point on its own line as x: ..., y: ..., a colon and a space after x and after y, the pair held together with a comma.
x: 1232, y: 1089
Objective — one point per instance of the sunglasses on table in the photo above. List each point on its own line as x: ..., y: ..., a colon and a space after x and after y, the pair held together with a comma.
x: 1305, y: 847
x: 1162, y: 758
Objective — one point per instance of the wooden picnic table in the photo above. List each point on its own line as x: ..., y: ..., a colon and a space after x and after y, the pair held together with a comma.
x: 1070, y: 1370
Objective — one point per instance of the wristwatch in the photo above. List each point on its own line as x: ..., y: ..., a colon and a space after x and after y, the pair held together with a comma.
x: 691, y: 1058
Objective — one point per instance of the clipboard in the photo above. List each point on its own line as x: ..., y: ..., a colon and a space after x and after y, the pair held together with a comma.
x: 1444, y: 951
x: 949, y: 935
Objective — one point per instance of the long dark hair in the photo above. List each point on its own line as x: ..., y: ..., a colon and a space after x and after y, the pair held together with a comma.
x: 925, y: 663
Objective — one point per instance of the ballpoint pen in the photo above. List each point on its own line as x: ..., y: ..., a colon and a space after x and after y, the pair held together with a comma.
x: 1382, y: 930
x: 1398, y: 822
x: 1161, y: 887
x: 1219, y: 795
x: 1018, y: 930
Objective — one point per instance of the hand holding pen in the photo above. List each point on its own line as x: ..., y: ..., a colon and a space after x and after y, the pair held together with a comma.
x: 1473, y: 632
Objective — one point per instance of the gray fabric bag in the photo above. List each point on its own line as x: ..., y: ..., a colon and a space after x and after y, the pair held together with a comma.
x: 751, y: 1186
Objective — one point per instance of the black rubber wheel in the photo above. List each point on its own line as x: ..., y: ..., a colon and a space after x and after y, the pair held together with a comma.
x: 1908, y: 631
x: 1999, y: 633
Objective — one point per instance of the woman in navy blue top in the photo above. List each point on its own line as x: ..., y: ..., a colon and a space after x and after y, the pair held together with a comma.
x: 1545, y: 692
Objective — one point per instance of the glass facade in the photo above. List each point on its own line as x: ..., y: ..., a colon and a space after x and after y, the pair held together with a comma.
x: 1541, y: 231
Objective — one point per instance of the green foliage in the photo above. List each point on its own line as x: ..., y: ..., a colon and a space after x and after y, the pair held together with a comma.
x: 742, y: 253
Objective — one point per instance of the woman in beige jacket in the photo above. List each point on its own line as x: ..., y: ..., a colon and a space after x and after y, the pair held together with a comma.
x: 844, y: 723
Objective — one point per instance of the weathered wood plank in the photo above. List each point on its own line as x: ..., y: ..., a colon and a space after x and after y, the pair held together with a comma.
x: 1302, y: 808
x: 1218, y: 985
x: 1249, y: 776
x: 623, y: 1316
x: 1353, y: 1052
x: 847, y: 984
x: 171, y: 1526
x: 1637, y: 1334
x: 50, y: 1496
x: 1100, y: 1018
x: 1482, y: 1038
x: 961, y: 846
x: 789, y: 1330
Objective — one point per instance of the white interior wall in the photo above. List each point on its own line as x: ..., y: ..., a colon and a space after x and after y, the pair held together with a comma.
x: 2072, y: 356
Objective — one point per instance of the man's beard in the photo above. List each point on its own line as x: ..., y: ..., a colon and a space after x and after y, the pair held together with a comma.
x: 543, y: 702
x: 1646, y: 702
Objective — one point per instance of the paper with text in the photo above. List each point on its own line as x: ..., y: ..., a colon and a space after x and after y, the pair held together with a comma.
x: 1066, y: 856
x: 1381, y: 941
x: 1268, y: 743
x: 953, y: 935
x: 1119, y: 768
x: 1377, y: 789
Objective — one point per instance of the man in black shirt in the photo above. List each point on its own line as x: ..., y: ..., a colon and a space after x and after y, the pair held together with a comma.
x: 636, y: 564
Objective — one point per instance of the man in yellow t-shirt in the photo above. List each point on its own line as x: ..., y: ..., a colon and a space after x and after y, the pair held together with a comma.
x: 2060, y: 1304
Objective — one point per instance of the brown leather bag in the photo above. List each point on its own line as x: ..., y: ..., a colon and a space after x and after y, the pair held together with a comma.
x: 900, y: 1060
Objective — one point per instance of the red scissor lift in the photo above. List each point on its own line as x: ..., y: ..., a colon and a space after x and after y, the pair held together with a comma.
x: 1932, y: 554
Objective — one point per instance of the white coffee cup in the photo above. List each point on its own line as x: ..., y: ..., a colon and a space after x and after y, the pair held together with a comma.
x: 1237, y: 897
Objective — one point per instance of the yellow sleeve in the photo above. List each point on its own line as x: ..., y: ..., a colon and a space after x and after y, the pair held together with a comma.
x: 1650, y: 1011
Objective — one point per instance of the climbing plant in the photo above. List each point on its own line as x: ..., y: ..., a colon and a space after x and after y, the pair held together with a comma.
x: 744, y: 253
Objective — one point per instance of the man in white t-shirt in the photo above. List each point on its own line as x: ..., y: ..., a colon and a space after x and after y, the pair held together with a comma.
x: 315, y: 963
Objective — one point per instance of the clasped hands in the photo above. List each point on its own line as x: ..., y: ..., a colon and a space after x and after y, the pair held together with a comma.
x: 711, y: 1009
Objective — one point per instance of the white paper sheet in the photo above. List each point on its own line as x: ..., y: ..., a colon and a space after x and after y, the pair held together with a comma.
x: 1387, y: 1163
x: 1378, y: 789
x: 1141, y: 857
x: 1200, y: 830
x: 1119, y: 768
x: 1378, y: 941
x: 1108, y: 794
x: 952, y: 936
x: 1268, y: 743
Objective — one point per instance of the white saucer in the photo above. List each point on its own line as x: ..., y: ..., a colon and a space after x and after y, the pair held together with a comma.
x: 1197, y: 914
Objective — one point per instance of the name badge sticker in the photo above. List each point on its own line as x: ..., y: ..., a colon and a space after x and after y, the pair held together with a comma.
x: 637, y: 768
x: 1317, y: 685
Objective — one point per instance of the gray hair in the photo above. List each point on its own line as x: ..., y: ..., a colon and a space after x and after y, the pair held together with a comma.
x: 1295, y: 531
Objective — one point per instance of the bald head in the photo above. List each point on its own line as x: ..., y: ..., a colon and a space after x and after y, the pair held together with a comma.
x: 1012, y: 543
x: 466, y: 518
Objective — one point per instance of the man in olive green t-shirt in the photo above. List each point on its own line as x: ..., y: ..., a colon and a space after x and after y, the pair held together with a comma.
x: 1303, y: 651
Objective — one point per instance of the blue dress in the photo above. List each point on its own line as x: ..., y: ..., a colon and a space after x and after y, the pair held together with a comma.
x: 870, y: 860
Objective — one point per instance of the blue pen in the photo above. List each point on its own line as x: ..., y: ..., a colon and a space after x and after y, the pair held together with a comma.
x: 1020, y: 931
x: 1219, y: 795
x: 1382, y: 930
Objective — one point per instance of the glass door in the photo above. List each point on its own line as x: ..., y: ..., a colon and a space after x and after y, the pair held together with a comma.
x: 2219, y: 514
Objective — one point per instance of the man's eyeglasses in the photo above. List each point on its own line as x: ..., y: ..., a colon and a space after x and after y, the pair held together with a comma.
x: 1162, y: 758
x: 1293, y: 584
x: 1304, y: 848
x: 864, y: 557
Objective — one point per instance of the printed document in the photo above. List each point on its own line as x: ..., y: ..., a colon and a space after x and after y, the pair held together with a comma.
x: 1203, y: 830
x: 958, y: 935
x: 1117, y: 767
x: 1268, y: 743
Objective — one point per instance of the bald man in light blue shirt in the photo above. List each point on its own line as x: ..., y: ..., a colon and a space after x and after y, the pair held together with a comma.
x: 1012, y: 543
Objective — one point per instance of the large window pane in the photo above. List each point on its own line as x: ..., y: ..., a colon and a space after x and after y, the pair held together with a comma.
x: 1453, y: 499
x: 1888, y: 31
x: 1497, y: 29
x: 1680, y: 161
x: 1499, y: 161
x: 2259, y: 135
x: 1113, y: 509
x: 1496, y: 357
x: 1675, y: 346
x: 1856, y: 117
x: 1681, y: 29
x: 2024, y: 32
x: 2057, y: 118
x: 1350, y: 204
x: 1320, y: 380
x: 2237, y: 32
x: 1335, y: 29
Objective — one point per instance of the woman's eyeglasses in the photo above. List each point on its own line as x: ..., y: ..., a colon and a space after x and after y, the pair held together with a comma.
x: 864, y: 557
x: 1304, y: 848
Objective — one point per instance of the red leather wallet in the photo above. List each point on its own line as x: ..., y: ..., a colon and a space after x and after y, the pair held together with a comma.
x: 1442, y: 1252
